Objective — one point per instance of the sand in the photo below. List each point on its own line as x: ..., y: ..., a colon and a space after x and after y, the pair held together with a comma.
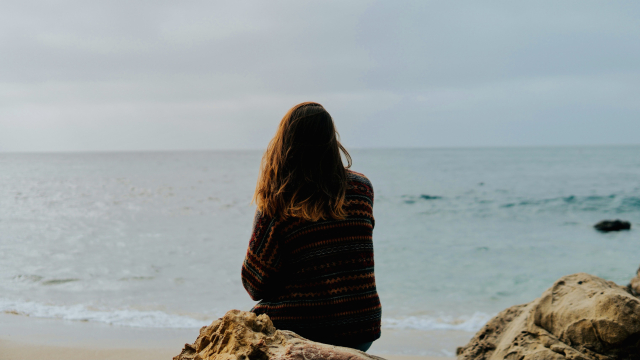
x: 27, y: 338
x: 18, y: 351
x: 23, y: 337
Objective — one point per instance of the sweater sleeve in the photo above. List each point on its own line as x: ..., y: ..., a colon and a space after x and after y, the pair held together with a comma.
x: 262, y: 262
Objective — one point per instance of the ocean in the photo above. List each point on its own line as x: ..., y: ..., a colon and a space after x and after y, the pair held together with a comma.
x: 157, y: 239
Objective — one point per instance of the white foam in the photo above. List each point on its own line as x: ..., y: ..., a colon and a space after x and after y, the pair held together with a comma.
x: 471, y: 323
x: 122, y: 317
x: 159, y: 319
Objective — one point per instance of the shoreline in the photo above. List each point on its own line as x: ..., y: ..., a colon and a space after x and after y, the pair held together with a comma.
x: 28, y: 338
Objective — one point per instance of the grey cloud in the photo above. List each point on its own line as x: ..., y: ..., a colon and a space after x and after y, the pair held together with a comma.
x: 136, y: 75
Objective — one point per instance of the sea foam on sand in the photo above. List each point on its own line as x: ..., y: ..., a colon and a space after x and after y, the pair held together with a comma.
x: 160, y: 319
x: 122, y: 317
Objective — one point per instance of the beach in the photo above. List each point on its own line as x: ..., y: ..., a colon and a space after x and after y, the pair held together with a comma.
x: 27, y: 338
x: 152, y: 152
x: 129, y: 254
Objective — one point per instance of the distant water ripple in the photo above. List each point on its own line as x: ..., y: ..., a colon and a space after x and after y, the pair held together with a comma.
x: 157, y: 239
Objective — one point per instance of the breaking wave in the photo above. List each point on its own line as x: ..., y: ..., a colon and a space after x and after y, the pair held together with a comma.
x: 471, y: 323
x: 126, y: 317
x: 159, y: 319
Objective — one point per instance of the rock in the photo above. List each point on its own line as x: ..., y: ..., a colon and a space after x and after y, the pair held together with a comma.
x: 242, y: 335
x: 634, y: 285
x: 580, y: 317
x: 612, y: 225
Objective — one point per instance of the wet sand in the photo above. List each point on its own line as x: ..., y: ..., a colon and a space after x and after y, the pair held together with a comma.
x: 18, y: 351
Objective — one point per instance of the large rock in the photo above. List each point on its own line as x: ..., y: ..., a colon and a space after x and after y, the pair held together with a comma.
x: 580, y: 317
x: 241, y: 335
x: 612, y: 225
x: 634, y: 285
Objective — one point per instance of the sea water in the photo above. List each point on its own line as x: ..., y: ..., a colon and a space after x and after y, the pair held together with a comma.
x: 157, y: 239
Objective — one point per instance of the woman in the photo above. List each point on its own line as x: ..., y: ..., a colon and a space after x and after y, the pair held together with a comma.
x: 310, y: 258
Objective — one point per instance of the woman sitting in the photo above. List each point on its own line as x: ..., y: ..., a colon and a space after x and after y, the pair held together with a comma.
x: 310, y: 258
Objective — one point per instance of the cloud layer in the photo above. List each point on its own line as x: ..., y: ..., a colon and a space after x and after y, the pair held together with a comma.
x: 161, y: 75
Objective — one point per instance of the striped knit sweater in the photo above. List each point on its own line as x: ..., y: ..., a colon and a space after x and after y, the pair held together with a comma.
x: 316, y: 278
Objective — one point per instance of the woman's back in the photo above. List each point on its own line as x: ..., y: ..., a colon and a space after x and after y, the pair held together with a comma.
x: 316, y: 278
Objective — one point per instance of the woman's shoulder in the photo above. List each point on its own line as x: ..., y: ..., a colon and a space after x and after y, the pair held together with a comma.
x: 359, y: 185
x: 356, y: 177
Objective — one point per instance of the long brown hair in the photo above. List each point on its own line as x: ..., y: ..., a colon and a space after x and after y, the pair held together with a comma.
x: 302, y: 174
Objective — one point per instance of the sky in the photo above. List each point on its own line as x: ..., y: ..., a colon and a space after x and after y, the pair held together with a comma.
x: 198, y: 75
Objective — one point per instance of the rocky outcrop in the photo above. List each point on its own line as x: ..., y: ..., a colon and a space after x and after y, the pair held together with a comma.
x: 612, y: 225
x: 580, y: 317
x: 241, y: 335
x: 634, y: 285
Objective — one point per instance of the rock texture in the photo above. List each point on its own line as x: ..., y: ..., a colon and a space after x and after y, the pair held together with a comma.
x: 580, y: 317
x: 634, y: 285
x: 241, y: 335
x: 612, y: 225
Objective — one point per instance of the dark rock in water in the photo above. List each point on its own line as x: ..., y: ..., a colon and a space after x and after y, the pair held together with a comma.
x: 612, y: 225
x: 242, y: 335
x: 580, y: 317
x: 430, y: 197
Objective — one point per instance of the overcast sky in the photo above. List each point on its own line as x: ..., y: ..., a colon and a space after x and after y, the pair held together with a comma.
x: 165, y: 75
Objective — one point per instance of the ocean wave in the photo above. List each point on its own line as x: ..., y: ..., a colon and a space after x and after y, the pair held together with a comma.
x: 121, y: 317
x: 611, y: 203
x: 471, y: 323
x: 410, y: 199
x: 159, y: 319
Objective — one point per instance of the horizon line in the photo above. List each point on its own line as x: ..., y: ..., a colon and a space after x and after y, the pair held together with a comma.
x: 477, y: 147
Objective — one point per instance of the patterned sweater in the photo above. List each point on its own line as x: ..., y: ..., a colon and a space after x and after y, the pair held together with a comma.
x: 316, y: 278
